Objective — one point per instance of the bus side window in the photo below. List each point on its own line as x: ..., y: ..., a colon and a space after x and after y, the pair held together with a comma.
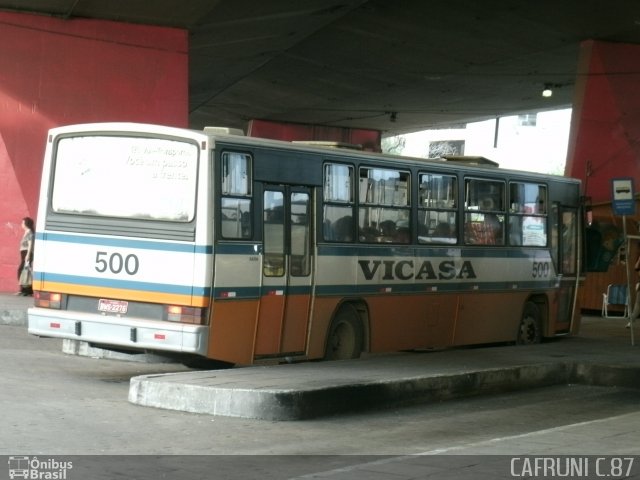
x: 300, y: 234
x: 384, y: 205
x: 484, y: 212
x: 527, y: 214
x: 338, y: 198
x: 236, y: 202
x: 235, y: 218
x: 273, y: 231
x: 437, y: 209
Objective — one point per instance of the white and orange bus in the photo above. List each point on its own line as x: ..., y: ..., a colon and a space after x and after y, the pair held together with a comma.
x: 238, y: 249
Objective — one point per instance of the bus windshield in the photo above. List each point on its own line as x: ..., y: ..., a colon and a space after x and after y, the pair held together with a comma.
x: 126, y: 177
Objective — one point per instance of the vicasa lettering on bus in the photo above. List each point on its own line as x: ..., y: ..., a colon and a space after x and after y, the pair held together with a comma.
x: 408, y: 269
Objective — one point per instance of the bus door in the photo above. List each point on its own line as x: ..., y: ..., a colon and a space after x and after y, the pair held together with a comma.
x: 564, y: 250
x: 286, y: 270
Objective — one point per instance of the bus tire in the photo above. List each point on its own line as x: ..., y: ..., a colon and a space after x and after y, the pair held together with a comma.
x: 345, y: 339
x: 530, y: 329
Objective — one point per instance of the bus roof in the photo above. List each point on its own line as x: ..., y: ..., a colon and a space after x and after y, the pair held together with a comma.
x: 330, y: 149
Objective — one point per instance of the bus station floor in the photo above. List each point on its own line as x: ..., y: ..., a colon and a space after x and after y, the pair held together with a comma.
x: 602, y: 354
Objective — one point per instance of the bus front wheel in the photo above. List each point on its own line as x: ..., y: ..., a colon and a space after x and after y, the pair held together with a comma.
x: 345, y: 335
x: 530, y: 330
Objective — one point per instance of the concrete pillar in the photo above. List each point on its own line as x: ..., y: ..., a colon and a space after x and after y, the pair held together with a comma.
x: 57, y: 72
x: 605, y: 128
x: 369, y: 140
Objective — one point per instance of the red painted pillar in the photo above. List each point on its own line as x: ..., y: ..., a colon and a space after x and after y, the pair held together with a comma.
x: 605, y: 129
x: 369, y: 140
x: 56, y: 72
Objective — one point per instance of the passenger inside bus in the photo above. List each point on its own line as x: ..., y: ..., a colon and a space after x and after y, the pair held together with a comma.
x: 442, y: 233
x: 339, y: 231
x: 403, y: 235
x: 487, y: 231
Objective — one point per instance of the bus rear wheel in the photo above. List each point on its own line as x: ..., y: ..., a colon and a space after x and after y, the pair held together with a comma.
x: 345, y: 338
x: 530, y: 330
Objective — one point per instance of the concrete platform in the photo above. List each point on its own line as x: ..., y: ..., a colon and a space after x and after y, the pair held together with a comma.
x: 602, y: 355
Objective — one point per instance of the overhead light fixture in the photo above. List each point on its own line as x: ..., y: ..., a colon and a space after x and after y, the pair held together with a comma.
x: 547, y: 92
x: 393, y: 116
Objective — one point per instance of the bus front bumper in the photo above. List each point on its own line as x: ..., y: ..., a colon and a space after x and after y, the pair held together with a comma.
x: 137, y: 334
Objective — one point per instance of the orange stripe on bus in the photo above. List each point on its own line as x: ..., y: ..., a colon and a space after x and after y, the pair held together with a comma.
x: 121, y: 294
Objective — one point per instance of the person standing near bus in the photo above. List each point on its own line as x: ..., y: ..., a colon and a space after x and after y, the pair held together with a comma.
x: 26, y: 255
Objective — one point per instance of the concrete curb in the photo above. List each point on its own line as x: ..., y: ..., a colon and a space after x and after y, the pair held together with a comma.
x: 607, y: 375
x: 168, y: 392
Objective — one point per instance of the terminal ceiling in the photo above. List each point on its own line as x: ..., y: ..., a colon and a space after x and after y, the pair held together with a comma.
x: 396, y: 66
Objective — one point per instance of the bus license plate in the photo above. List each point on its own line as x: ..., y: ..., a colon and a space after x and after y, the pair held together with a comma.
x: 112, y: 306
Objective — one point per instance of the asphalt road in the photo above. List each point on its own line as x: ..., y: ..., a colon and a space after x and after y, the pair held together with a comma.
x: 56, y: 404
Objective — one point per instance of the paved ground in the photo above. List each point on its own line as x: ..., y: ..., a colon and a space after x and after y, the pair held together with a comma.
x: 13, y: 309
